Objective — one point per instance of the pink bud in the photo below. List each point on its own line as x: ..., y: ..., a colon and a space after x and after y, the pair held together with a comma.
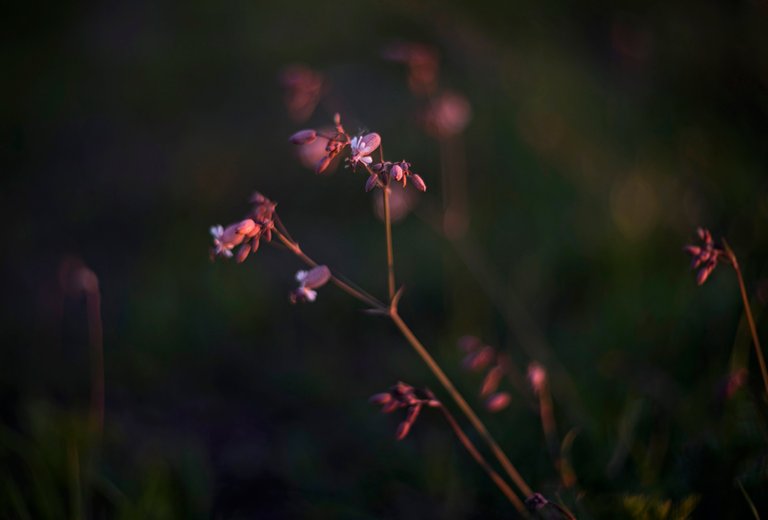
x: 396, y: 173
x: 303, y: 137
x: 480, y: 359
x: 402, y: 430
x: 390, y: 406
x: 371, y: 183
x: 498, y: 402
x: 380, y: 399
x: 418, y: 182
x: 242, y: 253
x: 491, y: 381
x: 322, y: 164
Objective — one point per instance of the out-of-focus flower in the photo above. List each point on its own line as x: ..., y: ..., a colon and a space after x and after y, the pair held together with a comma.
x: 422, y: 62
x: 247, y: 233
x: 705, y: 256
x: 308, y: 282
x: 537, y: 376
x: 225, y: 239
x: 303, y: 87
x: 447, y: 115
x: 497, y: 402
x: 401, y: 202
x: 403, y: 395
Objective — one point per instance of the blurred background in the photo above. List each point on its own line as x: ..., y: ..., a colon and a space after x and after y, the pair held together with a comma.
x: 570, y: 151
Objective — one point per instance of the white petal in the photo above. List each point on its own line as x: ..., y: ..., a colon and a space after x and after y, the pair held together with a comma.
x: 311, y: 295
x: 301, y: 276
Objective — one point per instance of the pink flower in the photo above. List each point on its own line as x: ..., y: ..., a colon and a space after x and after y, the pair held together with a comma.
x: 308, y: 282
x: 362, y: 147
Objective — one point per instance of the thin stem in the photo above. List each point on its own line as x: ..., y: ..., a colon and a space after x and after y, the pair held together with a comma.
x: 457, y: 397
x: 390, y: 254
x: 748, y: 312
x: 358, y: 294
x: 500, y: 482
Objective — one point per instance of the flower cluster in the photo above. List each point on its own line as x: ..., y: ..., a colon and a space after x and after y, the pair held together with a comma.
x: 706, y: 256
x: 360, y: 149
x: 246, y: 233
x: 308, y: 282
x: 405, y: 396
x: 480, y: 356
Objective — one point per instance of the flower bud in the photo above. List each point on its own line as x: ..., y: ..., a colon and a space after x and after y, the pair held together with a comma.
x: 303, y: 137
x: 371, y: 183
x: 322, y: 164
x: 380, y: 399
x: 242, y: 253
x: 491, y: 381
x: 396, y: 172
x: 418, y: 182
x: 498, y: 402
x: 402, y: 430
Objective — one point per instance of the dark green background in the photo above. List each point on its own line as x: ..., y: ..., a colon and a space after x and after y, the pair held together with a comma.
x: 602, y: 135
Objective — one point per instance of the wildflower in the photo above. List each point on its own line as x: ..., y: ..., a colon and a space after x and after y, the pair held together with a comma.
x: 247, y: 233
x: 225, y: 239
x: 447, y: 115
x: 403, y: 395
x: 308, y: 282
x: 706, y: 256
x: 362, y: 147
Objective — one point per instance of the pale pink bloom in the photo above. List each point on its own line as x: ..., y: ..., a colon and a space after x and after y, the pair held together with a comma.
x: 308, y: 282
x: 447, y: 115
x: 362, y: 147
x: 225, y: 239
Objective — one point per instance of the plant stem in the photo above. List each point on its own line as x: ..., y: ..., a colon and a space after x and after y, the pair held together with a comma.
x: 500, y: 482
x: 390, y: 254
x: 748, y: 312
x: 457, y: 397
x: 358, y: 294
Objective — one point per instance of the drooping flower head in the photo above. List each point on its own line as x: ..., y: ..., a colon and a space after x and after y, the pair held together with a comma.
x: 705, y: 256
x: 308, y: 282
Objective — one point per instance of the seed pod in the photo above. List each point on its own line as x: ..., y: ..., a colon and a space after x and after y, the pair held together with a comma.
x: 322, y: 164
x: 418, y: 182
x: 242, y: 253
x: 402, y: 430
x: 371, y: 183
x: 480, y: 359
x: 497, y: 402
x: 491, y: 381
x: 303, y: 137
x: 380, y: 399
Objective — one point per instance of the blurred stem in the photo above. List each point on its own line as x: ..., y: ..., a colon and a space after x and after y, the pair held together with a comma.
x: 457, y: 397
x: 390, y: 254
x: 500, y: 483
x: 95, y: 331
x: 75, y: 490
x: 748, y: 312
x: 356, y: 293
